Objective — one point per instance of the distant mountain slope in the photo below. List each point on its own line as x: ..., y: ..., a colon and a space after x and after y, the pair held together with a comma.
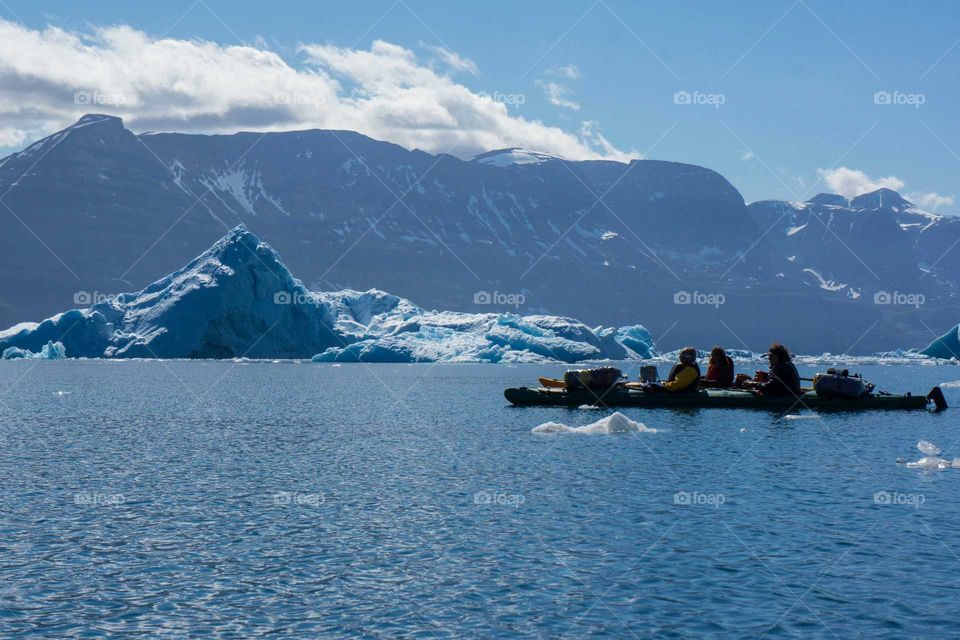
x: 97, y: 208
x: 872, y: 242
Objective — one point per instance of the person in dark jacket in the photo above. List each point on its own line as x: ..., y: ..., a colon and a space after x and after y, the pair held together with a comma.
x: 720, y: 370
x: 783, y: 379
x: 683, y: 377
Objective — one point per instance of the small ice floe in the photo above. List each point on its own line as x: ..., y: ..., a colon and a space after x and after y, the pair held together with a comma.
x: 931, y: 461
x: 60, y: 392
x: 929, y: 448
x: 616, y: 423
x: 336, y: 365
x: 587, y: 407
x: 953, y: 384
x: 743, y: 430
x: 802, y: 416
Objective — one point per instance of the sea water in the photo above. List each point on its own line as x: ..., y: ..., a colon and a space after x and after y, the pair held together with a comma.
x: 235, y: 499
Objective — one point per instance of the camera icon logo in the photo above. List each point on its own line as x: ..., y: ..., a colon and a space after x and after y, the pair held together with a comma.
x: 682, y: 97
x: 882, y: 297
x: 682, y: 297
x: 482, y: 297
x: 282, y: 297
x: 882, y: 97
x: 82, y: 297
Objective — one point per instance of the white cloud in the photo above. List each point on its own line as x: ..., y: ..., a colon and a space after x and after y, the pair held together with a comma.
x: 557, y: 94
x: 569, y: 71
x: 851, y: 183
x: 165, y: 84
x: 453, y: 60
x: 930, y: 201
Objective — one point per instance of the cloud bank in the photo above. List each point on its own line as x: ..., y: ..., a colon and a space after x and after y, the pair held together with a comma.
x: 50, y: 77
x: 851, y: 183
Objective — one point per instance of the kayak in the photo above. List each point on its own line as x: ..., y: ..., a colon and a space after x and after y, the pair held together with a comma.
x: 552, y: 383
x: 621, y: 396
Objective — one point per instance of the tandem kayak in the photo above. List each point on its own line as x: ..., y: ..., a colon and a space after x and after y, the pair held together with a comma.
x: 620, y: 396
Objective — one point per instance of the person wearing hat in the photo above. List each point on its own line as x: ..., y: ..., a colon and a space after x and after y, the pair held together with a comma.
x: 683, y: 377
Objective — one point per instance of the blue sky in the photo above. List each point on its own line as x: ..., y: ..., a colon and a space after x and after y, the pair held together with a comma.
x: 785, y: 89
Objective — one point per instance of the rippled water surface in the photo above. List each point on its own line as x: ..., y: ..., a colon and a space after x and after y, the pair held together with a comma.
x: 238, y: 499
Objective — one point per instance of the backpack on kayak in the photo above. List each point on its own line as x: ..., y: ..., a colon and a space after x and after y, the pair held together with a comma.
x: 598, y: 378
x: 840, y: 384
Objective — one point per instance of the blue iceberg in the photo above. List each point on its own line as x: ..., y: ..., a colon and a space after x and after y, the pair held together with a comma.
x: 50, y: 351
x: 946, y: 346
x: 238, y: 299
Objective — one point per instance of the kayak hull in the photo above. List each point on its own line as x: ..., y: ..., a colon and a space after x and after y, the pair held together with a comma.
x: 707, y: 399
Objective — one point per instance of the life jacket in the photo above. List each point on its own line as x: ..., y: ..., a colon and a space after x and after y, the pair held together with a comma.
x: 677, y: 368
x: 721, y: 375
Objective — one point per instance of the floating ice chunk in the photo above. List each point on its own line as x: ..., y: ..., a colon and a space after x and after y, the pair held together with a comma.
x: 953, y: 384
x: 929, y: 448
x: 50, y: 351
x: 616, y: 423
x: 929, y: 462
x: 803, y: 416
x: 586, y: 407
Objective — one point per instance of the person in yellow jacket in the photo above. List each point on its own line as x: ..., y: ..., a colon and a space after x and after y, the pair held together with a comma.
x: 683, y: 377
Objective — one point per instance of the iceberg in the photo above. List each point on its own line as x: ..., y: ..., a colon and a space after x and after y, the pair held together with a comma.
x: 50, y: 351
x: 431, y: 336
x: 946, y: 346
x: 238, y: 300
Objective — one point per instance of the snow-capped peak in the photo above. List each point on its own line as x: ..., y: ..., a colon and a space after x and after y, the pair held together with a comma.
x: 513, y: 155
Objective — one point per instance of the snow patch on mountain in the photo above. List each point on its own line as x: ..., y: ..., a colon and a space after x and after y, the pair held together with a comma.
x: 512, y: 156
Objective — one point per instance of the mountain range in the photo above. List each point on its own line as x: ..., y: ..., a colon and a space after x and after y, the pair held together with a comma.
x: 96, y: 208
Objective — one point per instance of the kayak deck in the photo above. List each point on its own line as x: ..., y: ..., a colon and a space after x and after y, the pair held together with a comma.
x: 707, y: 398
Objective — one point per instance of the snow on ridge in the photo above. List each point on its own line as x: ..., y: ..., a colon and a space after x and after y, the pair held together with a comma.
x: 826, y: 285
x: 512, y: 156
